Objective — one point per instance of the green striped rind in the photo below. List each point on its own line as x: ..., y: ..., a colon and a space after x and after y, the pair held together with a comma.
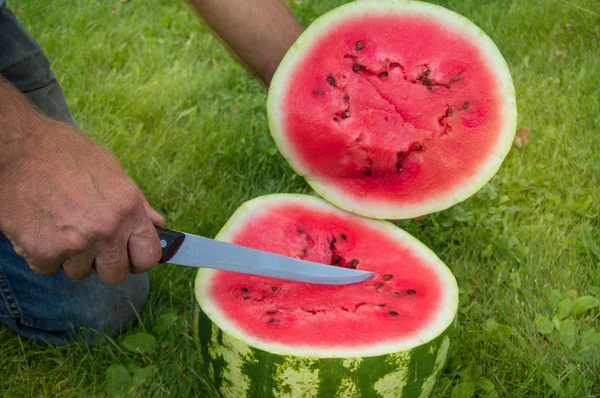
x: 241, y: 365
x: 239, y: 370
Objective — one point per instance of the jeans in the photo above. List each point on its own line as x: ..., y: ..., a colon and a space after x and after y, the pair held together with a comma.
x: 54, y: 309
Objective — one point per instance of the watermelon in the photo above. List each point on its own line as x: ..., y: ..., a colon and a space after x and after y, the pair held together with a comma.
x: 393, y: 109
x: 385, y: 337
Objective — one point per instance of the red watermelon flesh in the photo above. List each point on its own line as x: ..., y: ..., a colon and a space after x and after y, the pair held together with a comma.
x: 409, y: 294
x: 393, y: 110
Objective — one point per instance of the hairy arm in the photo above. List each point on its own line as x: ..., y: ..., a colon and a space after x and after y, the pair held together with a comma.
x: 258, y: 31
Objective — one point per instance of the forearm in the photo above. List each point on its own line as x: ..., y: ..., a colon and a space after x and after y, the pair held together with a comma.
x: 18, y: 123
x: 259, y: 32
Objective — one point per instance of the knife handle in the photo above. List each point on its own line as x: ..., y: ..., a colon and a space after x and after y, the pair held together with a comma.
x: 170, y: 242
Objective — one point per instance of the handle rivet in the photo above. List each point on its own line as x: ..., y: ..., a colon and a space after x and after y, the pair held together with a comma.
x: 163, y: 243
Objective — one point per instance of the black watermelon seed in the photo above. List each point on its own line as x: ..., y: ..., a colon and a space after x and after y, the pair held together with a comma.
x: 449, y: 112
x: 383, y: 74
x: 274, y: 288
x: 393, y: 313
x: 346, y: 97
x: 331, y: 80
x: 378, y: 285
x: 387, y: 277
x: 272, y: 320
x: 345, y: 115
x: 359, y: 45
x: 353, y: 263
x: 466, y: 105
x: 336, y: 259
x: 426, y: 71
x: 400, y: 154
x: 426, y: 81
x: 332, y: 243
x: 343, y: 236
x: 395, y: 294
x: 410, y: 291
x: 300, y: 230
x: 356, y: 67
x: 244, y: 290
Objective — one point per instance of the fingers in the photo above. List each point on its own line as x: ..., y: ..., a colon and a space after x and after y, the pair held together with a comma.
x: 112, y: 262
x: 144, y: 247
x: 78, y: 266
x: 40, y: 263
x: 44, y: 267
x: 116, y: 247
x: 137, y: 254
x: 114, y: 257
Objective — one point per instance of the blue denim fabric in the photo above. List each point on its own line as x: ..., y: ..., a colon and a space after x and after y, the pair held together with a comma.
x: 53, y: 308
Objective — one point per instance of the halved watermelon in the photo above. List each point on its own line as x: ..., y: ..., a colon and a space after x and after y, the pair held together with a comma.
x: 384, y: 337
x: 393, y: 109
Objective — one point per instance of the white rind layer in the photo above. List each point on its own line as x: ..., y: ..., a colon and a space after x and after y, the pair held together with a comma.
x: 383, y: 209
x: 443, y: 319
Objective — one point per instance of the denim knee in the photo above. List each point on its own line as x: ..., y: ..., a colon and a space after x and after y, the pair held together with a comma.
x: 107, y: 308
x: 59, y: 310
x: 25, y: 65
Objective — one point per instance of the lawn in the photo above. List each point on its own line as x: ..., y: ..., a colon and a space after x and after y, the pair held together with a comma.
x: 146, y: 79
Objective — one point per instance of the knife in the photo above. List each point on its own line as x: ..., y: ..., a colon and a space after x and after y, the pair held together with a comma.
x: 196, y: 251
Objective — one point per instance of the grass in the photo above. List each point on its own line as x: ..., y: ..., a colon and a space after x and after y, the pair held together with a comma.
x: 147, y: 80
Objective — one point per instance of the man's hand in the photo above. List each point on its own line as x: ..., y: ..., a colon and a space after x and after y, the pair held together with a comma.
x: 66, y: 202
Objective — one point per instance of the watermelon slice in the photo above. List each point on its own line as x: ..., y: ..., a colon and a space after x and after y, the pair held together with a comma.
x: 384, y: 337
x: 393, y: 109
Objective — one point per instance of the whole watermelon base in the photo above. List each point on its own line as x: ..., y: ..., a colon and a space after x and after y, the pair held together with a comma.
x: 238, y: 370
x: 246, y: 355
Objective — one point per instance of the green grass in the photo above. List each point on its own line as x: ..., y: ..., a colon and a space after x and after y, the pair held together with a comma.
x: 189, y: 124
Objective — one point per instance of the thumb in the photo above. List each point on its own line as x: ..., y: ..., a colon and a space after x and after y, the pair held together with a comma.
x: 144, y: 247
x: 153, y: 215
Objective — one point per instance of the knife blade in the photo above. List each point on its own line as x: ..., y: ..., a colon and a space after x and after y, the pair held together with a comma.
x: 182, y: 248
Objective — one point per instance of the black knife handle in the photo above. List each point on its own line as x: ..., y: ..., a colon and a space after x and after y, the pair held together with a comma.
x: 170, y: 242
